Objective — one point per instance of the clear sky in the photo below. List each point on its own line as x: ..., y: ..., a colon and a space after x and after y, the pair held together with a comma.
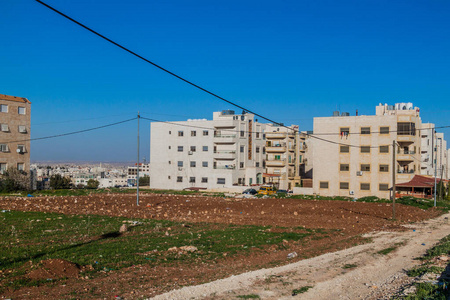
x: 287, y: 60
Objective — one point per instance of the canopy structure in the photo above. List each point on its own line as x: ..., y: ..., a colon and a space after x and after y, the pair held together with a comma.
x: 419, y: 186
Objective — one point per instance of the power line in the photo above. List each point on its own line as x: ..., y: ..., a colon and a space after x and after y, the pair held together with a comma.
x: 158, y: 66
x: 71, y: 133
x: 86, y: 119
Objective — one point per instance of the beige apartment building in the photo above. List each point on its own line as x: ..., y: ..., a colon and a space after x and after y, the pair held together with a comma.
x: 434, y: 153
x: 14, y: 133
x: 353, y: 154
x: 284, y: 155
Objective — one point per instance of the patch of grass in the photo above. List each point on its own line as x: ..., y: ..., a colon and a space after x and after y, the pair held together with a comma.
x: 421, y: 270
x: 386, y: 251
x: 442, y: 248
x: 94, y: 240
x: 250, y: 296
x: 301, y: 290
x: 349, y: 266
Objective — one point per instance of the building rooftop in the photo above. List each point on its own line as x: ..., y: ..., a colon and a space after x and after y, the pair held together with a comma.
x: 14, y: 98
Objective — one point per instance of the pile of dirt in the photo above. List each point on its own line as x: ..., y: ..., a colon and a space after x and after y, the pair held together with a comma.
x: 55, y: 269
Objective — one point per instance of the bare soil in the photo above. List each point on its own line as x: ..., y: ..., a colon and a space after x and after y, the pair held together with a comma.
x: 352, y: 219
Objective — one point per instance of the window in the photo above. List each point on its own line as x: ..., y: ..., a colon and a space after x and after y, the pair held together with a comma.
x: 191, y: 179
x: 3, y: 148
x: 170, y: 132
x: 20, y: 166
x: 205, y: 148
x: 365, y: 130
x: 193, y: 164
x: 180, y: 148
x: 179, y: 179
x: 204, y: 179
x: 264, y: 150
x: 3, y: 167
x: 193, y: 148
x: 323, y: 184
x: 180, y: 133
x: 365, y: 167
x: 21, y: 149
x: 3, y: 108
x: 193, y: 133
x: 4, y: 127
x: 384, y: 168
x: 384, y: 149
x: 345, y: 149
x: 343, y: 185
x: 383, y: 187
x: 180, y: 163
x: 406, y: 128
x: 365, y: 186
x: 220, y: 180
x: 170, y: 162
x: 205, y: 132
x: 242, y: 133
x: 384, y: 130
x: 365, y: 149
x: 257, y: 135
x: 344, y: 132
x: 242, y: 149
x: 170, y: 147
x: 257, y: 164
x: 344, y: 167
x: 205, y: 164
x: 241, y: 165
x: 21, y: 110
x: 257, y: 149
x: 277, y: 157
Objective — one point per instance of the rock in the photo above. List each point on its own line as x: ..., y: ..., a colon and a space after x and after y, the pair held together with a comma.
x: 292, y: 255
x: 189, y: 248
x: 123, y: 228
x: 443, y: 258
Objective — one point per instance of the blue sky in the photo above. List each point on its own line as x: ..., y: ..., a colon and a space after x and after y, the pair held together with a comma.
x: 287, y: 60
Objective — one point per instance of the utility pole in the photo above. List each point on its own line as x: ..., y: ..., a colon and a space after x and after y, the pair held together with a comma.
x: 137, y: 176
x: 393, y: 179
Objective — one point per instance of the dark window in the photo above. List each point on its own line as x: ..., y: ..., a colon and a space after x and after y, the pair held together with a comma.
x: 365, y: 186
x: 345, y: 149
x: 180, y: 163
x: 257, y: 164
x: 257, y: 149
x: 242, y: 133
x: 406, y: 128
x: 205, y: 148
x: 365, y: 130
x: 192, y: 179
x: 323, y: 184
x: 384, y: 168
x: 220, y: 180
x: 193, y: 164
x: 384, y: 149
x: 205, y: 164
x: 180, y: 148
x: 384, y: 130
x: 241, y: 165
x: 242, y: 149
x: 193, y: 148
x: 365, y: 167
x: 205, y: 132
x: 365, y: 149
x: 180, y: 133
x: 384, y: 187
x: 343, y: 185
x: 344, y: 167
x: 193, y: 133
x: 179, y: 179
x: 204, y: 179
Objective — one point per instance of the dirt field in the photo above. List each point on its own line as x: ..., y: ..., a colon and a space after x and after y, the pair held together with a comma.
x: 351, y: 218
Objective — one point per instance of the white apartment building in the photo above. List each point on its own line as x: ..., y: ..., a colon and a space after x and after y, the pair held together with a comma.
x: 437, y: 158
x: 358, y: 160
x: 222, y: 153
x: 144, y: 170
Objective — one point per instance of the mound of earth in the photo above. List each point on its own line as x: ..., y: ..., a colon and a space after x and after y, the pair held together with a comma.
x: 54, y: 269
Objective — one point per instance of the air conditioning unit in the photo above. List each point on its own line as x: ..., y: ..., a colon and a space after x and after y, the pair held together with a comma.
x: 190, y: 152
x: 19, y: 150
x: 359, y: 173
x: 352, y: 192
x: 5, y: 127
x: 22, y: 129
x: 180, y: 169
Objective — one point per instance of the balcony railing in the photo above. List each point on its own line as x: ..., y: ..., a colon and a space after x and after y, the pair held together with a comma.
x: 224, y: 152
x: 226, y: 167
x: 405, y: 171
x: 224, y: 135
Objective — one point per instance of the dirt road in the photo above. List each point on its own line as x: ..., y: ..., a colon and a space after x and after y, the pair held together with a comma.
x: 371, y: 275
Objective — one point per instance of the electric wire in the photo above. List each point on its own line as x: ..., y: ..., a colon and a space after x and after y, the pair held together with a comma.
x: 79, y: 120
x: 157, y: 66
x: 71, y: 133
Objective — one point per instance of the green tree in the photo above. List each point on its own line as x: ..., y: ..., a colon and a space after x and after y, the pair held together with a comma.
x: 92, y: 184
x: 144, y: 180
x: 14, y: 180
x: 58, y: 182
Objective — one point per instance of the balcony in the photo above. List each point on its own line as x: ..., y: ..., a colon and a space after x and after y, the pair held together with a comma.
x: 405, y: 171
x: 275, y: 135
x: 225, y: 154
x: 292, y: 162
x: 406, y: 138
x: 276, y: 148
x: 276, y: 163
x: 225, y: 167
x: 405, y: 157
x: 224, y: 138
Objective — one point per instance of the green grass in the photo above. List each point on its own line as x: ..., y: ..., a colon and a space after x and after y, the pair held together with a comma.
x: 386, y: 251
x: 94, y: 240
x: 301, y: 290
x: 250, y: 296
x: 349, y: 266
x: 423, y: 269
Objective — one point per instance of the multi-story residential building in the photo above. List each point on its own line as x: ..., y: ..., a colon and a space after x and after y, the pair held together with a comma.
x: 284, y: 149
x: 14, y: 133
x: 434, y: 154
x: 144, y: 170
x: 353, y: 156
x: 224, y: 152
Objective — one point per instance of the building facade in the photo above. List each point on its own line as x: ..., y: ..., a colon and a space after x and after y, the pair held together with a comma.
x: 15, y: 129
x: 357, y: 158
x: 222, y: 153
x: 434, y: 152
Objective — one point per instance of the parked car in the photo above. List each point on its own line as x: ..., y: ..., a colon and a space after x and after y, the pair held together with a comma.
x: 250, y: 192
x: 267, y: 190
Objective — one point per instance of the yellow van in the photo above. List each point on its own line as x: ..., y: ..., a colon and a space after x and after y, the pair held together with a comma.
x: 267, y: 190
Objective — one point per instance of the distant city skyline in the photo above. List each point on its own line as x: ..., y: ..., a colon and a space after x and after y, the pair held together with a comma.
x: 290, y: 61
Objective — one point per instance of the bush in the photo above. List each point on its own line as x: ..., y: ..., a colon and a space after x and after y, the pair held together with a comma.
x: 92, y: 184
x: 58, y: 182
